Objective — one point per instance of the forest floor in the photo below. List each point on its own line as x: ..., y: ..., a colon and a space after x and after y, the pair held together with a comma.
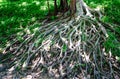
x: 24, y: 75
x: 80, y: 45
x: 44, y: 75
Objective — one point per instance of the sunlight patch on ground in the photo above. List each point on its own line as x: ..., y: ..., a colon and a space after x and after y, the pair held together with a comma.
x: 99, y: 7
x: 24, y: 9
x: 8, y: 43
x: 2, y: 0
x: 43, y: 8
x: 36, y: 29
x: 50, y: 2
x: 2, y: 22
x: 33, y: 19
x: 37, y: 2
x: 24, y: 4
x: 1, y: 50
x: 20, y: 33
x: 118, y: 58
x: 27, y: 31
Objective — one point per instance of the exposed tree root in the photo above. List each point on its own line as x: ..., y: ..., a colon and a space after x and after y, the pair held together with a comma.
x: 65, y: 49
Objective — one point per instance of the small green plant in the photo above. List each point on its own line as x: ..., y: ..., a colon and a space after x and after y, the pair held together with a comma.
x: 64, y: 48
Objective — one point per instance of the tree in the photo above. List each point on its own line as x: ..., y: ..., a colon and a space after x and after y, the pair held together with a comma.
x: 55, y: 7
x: 67, y: 48
x: 48, y: 7
x: 63, y: 5
x: 72, y: 7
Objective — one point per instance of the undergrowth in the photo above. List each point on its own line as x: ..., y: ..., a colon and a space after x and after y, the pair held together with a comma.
x: 16, y: 16
x: 111, y: 12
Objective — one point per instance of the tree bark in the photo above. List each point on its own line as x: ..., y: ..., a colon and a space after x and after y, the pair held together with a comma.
x: 63, y: 5
x: 55, y: 7
x: 72, y: 7
x: 48, y: 7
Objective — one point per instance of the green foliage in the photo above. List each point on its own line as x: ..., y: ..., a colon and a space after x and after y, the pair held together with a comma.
x: 53, y: 18
x: 111, y: 15
x: 64, y: 48
x: 112, y: 44
x: 112, y: 10
x: 18, y: 15
x: 39, y: 41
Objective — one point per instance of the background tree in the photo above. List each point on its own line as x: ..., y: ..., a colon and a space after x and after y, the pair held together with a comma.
x: 55, y: 7
x: 48, y: 7
x: 63, y: 5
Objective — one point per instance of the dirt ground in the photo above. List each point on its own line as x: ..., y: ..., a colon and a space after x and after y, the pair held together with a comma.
x: 26, y: 75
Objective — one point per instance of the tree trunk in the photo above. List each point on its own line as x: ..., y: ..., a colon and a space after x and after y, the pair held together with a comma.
x: 55, y: 7
x: 48, y: 7
x: 72, y: 7
x: 63, y: 5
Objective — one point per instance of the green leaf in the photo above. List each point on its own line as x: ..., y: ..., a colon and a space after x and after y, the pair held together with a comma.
x: 64, y: 48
